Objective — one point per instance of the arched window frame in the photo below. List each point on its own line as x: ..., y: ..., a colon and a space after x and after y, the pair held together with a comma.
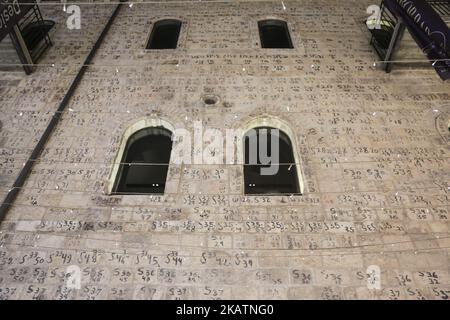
x: 442, y: 121
x: 256, y: 40
x: 273, y: 122
x: 280, y: 21
x: 181, y: 35
x: 135, y: 127
x: 289, y: 29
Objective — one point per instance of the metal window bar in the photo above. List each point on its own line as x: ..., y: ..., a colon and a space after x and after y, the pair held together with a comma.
x: 386, y: 35
x: 35, y: 31
x: 441, y: 7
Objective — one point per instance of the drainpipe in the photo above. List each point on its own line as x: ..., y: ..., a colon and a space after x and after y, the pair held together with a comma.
x: 24, y: 173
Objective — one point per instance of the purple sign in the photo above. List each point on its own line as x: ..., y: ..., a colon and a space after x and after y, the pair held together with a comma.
x: 11, y: 11
x: 428, y: 29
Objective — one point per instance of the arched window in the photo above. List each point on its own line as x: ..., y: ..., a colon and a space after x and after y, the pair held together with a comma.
x: 164, y: 34
x: 277, y: 176
x: 145, y: 162
x: 274, y: 34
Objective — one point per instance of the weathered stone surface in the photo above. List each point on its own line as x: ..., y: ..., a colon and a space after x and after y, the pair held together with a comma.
x: 374, y: 153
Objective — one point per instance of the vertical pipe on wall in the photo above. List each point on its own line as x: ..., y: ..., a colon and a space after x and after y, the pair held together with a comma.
x: 24, y: 173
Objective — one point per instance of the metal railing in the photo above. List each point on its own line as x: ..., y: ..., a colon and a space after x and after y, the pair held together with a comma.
x: 35, y: 32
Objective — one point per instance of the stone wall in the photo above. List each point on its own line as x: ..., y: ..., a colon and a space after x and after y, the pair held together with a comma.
x: 373, y: 149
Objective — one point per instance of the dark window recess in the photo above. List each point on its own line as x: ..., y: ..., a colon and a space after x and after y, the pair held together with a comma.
x: 164, y: 34
x: 285, y: 181
x: 145, y: 162
x: 274, y: 34
x: 35, y: 31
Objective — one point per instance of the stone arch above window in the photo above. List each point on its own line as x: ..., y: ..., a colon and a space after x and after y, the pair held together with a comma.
x: 142, y: 163
x: 274, y: 34
x: 165, y: 34
x: 286, y: 176
x: 442, y: 121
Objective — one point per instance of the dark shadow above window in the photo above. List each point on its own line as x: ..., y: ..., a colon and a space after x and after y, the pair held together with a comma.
x: 274, y: 34
x: 145, y: 162
x: 164, y: 34
x: 285, y: 180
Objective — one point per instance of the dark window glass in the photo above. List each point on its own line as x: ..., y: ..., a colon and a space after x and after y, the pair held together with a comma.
x: 145, y: 162
x: 164, y: 34
x: 285, y: 180
x: 274, y: 34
